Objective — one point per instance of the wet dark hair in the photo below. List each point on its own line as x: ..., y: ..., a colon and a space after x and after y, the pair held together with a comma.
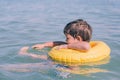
x: 80, y: 28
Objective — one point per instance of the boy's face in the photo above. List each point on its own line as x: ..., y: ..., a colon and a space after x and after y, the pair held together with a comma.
x: 70, y: 39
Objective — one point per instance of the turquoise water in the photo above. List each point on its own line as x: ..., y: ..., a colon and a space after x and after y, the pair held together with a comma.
x: 27, y: 22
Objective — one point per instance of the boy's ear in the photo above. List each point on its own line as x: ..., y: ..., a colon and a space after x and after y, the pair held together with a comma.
x: 79, y: 38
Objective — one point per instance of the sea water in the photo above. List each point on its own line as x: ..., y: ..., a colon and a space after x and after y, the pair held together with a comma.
x: 28, y: 22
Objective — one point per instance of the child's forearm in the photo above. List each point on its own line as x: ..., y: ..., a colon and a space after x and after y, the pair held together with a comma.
x: 44, y: 57
x: 55, y: 43
x: 48, y: 44
x: 24, y: 51
x: 79, y: 46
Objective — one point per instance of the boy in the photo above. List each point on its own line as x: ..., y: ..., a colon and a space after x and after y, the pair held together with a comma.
x: 78, y: 34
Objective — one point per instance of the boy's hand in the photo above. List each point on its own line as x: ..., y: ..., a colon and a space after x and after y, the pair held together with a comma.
x: 38, y: 46
x: 23, y: 50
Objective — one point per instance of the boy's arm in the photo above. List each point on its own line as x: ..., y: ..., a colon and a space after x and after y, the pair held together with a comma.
x: 23, y: 51
x: 85, y: 46
x: 44, y: 57
x: 48, y: 44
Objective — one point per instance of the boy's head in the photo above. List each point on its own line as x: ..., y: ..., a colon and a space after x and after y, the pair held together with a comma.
x: 79, y: 28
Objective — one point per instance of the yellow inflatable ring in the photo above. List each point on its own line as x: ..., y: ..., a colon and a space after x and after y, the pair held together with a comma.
x: 99, y: 51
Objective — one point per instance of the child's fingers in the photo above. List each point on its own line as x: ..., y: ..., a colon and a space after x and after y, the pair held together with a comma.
x: 23, y: 50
